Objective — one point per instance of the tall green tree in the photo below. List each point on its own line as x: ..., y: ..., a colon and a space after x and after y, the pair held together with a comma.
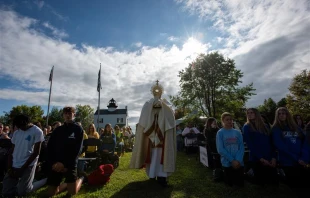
x: 298, y: 100
x: 4, y: 120
x: 85, y: 115
x: 268, y: 108
x: 211, y: 84
x: 35, y: 113
x: 282, y: 103
x: 55, y: 115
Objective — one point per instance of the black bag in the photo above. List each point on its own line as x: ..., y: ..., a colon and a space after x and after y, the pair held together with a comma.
x: 114, y: 159
x: 110, y: 158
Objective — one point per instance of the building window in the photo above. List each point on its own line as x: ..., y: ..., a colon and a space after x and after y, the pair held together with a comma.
x: 100, y: 120
x: 120, y: 120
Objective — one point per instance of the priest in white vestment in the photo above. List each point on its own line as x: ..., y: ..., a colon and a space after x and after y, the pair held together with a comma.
x: 155, y: 140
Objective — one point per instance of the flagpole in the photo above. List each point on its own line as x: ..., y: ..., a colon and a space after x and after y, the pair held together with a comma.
x: 98, y: 89
x: 49, y: 97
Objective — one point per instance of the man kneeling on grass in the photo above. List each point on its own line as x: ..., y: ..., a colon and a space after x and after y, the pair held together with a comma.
x: 64, y: 147
x: 23, y: 158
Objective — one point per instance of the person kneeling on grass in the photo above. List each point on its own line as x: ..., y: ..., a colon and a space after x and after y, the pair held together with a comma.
x: 64, y: 147
x: 229, y: 144
x: 23, y: 158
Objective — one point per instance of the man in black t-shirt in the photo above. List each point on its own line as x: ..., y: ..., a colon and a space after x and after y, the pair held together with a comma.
x: 63, y: 148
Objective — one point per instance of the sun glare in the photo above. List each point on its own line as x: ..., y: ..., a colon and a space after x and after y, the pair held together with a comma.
x: 193, y: 47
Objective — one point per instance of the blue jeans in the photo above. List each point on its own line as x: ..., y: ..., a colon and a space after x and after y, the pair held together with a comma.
x: 19, y: 186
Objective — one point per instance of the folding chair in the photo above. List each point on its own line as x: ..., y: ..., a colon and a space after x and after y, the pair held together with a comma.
x: 92, y: 156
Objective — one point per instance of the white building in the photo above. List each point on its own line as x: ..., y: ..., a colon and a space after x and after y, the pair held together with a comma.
x: 112, y: 116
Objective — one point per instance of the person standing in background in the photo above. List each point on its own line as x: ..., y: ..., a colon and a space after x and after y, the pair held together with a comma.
x: 210, y: 132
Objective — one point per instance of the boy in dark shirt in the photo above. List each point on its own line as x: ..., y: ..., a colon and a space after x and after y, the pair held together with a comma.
x: 64, y: 147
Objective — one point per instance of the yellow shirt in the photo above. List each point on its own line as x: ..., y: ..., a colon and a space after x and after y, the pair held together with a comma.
x: 84, y: 138
x: 93, y: 148
x: 119, y: 137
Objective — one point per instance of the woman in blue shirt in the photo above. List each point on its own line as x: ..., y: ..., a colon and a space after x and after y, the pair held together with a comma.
x: 108, y: 140
x: 229, y: 144
x: 293, y: 151
x: 262, y: 154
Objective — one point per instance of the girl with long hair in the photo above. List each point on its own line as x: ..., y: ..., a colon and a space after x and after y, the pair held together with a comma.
x: 229, y: 144
x: 298, y: 120
x: 262, y: 154
x: 108, y: 139
x: 210, y: 132
x: 91, y: 133
x: 293, y: 151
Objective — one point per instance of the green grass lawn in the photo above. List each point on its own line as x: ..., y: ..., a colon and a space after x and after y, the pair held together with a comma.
x: 191, y: 179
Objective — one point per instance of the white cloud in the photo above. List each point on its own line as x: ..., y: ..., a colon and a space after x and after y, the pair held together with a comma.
x: 173, y: 38
x: 268, y: 39
x: 138, y: 44
x: 56, y: 32
x: 26, y: 57
x: 219, y: 39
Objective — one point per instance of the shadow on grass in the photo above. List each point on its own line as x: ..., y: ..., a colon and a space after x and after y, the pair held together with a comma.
x: 148, y: 188
x: 192, y: 179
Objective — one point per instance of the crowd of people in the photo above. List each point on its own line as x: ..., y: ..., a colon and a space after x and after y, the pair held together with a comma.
x: 56, y: 150
x: 277, y: 152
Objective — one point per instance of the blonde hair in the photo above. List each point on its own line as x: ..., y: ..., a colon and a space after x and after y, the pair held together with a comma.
x: 259, y: 124
x: 291, y: 124
x: 225, y: 114
x: 88, y: 130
